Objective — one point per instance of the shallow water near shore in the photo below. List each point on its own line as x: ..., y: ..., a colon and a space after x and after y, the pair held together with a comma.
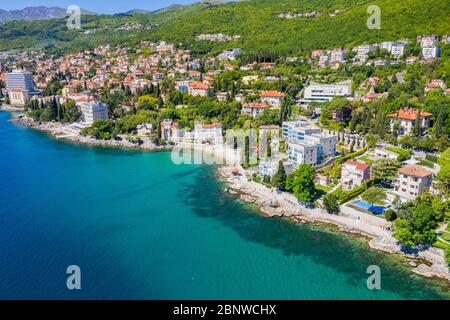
x: 141, y: 227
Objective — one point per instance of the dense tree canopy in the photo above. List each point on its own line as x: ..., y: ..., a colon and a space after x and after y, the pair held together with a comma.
x: 301, y: 183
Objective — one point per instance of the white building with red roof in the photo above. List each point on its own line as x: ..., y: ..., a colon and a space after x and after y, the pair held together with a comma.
x: 406, y: 119
x: 412, y: 181
x: 272, y: 98
x: 198, y: 89
x: 354, y: 173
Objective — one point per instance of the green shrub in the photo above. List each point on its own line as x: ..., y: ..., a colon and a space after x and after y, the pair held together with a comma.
x: 390, y: 215
x: 345, y: 196
x: 439, y: 244
x: 427, y: 163
x: 431, y: 158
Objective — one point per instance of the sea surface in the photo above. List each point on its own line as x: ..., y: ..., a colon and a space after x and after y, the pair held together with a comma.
x: 140, y: 227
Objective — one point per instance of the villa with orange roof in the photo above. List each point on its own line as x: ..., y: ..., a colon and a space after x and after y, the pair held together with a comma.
x: 272, y: 98
x: 198, y: 89
x: 406, y: 118
x: 412, y: 181
x: 354, y: 173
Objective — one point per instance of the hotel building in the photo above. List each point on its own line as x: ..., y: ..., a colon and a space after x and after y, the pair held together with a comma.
x: 325, y: 92
x: 307, y: 144
x: 93, y: 110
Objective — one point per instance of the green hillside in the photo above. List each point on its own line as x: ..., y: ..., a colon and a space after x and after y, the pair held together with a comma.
x: 256, y: 21
x: 261, y: 28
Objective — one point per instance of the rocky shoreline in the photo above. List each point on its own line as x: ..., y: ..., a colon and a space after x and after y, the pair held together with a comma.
x: 61, y: 131
x: 429, y: 263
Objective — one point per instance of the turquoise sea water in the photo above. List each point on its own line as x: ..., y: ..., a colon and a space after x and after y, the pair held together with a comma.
x: 141, y: 227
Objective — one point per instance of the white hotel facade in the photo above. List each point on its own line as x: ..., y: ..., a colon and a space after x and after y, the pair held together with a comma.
x: 320, y: 93
x: 307, y: 144
x: 93, y: 110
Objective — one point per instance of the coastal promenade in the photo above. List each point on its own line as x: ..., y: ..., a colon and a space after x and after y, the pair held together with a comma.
x: 282, y: 204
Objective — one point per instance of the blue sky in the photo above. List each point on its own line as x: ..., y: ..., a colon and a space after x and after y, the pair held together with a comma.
x: 100, y: 6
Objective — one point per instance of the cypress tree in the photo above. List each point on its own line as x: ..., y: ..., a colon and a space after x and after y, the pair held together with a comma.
x: 279, y: 179
x: 418, y: 126
x: 247, y: 151
x: 439, y: 123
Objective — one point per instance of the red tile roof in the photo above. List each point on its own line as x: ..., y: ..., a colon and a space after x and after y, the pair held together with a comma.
x: 272, y: 94
x: 414, y: 170
x: 409, y: 114
x: 360, y: 166
x: 198, y: 85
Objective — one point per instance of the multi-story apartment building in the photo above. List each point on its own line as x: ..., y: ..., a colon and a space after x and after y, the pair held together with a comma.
x: 19, y: 85
x: 430, y: 53
x: 412, y: 181
x: 303, y: 152
x: 294, y: 131
x: 396, y: 49
x: 307, y: 144
x: 362, y: 52
x: 19, y: 79
x: 406, y: 119
x: 326, y: 144
x: 354, y: 173
x: 320, y: 93
x: 93, y: 110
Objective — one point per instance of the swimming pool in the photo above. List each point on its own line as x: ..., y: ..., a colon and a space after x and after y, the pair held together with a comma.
x: 372, y: 208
